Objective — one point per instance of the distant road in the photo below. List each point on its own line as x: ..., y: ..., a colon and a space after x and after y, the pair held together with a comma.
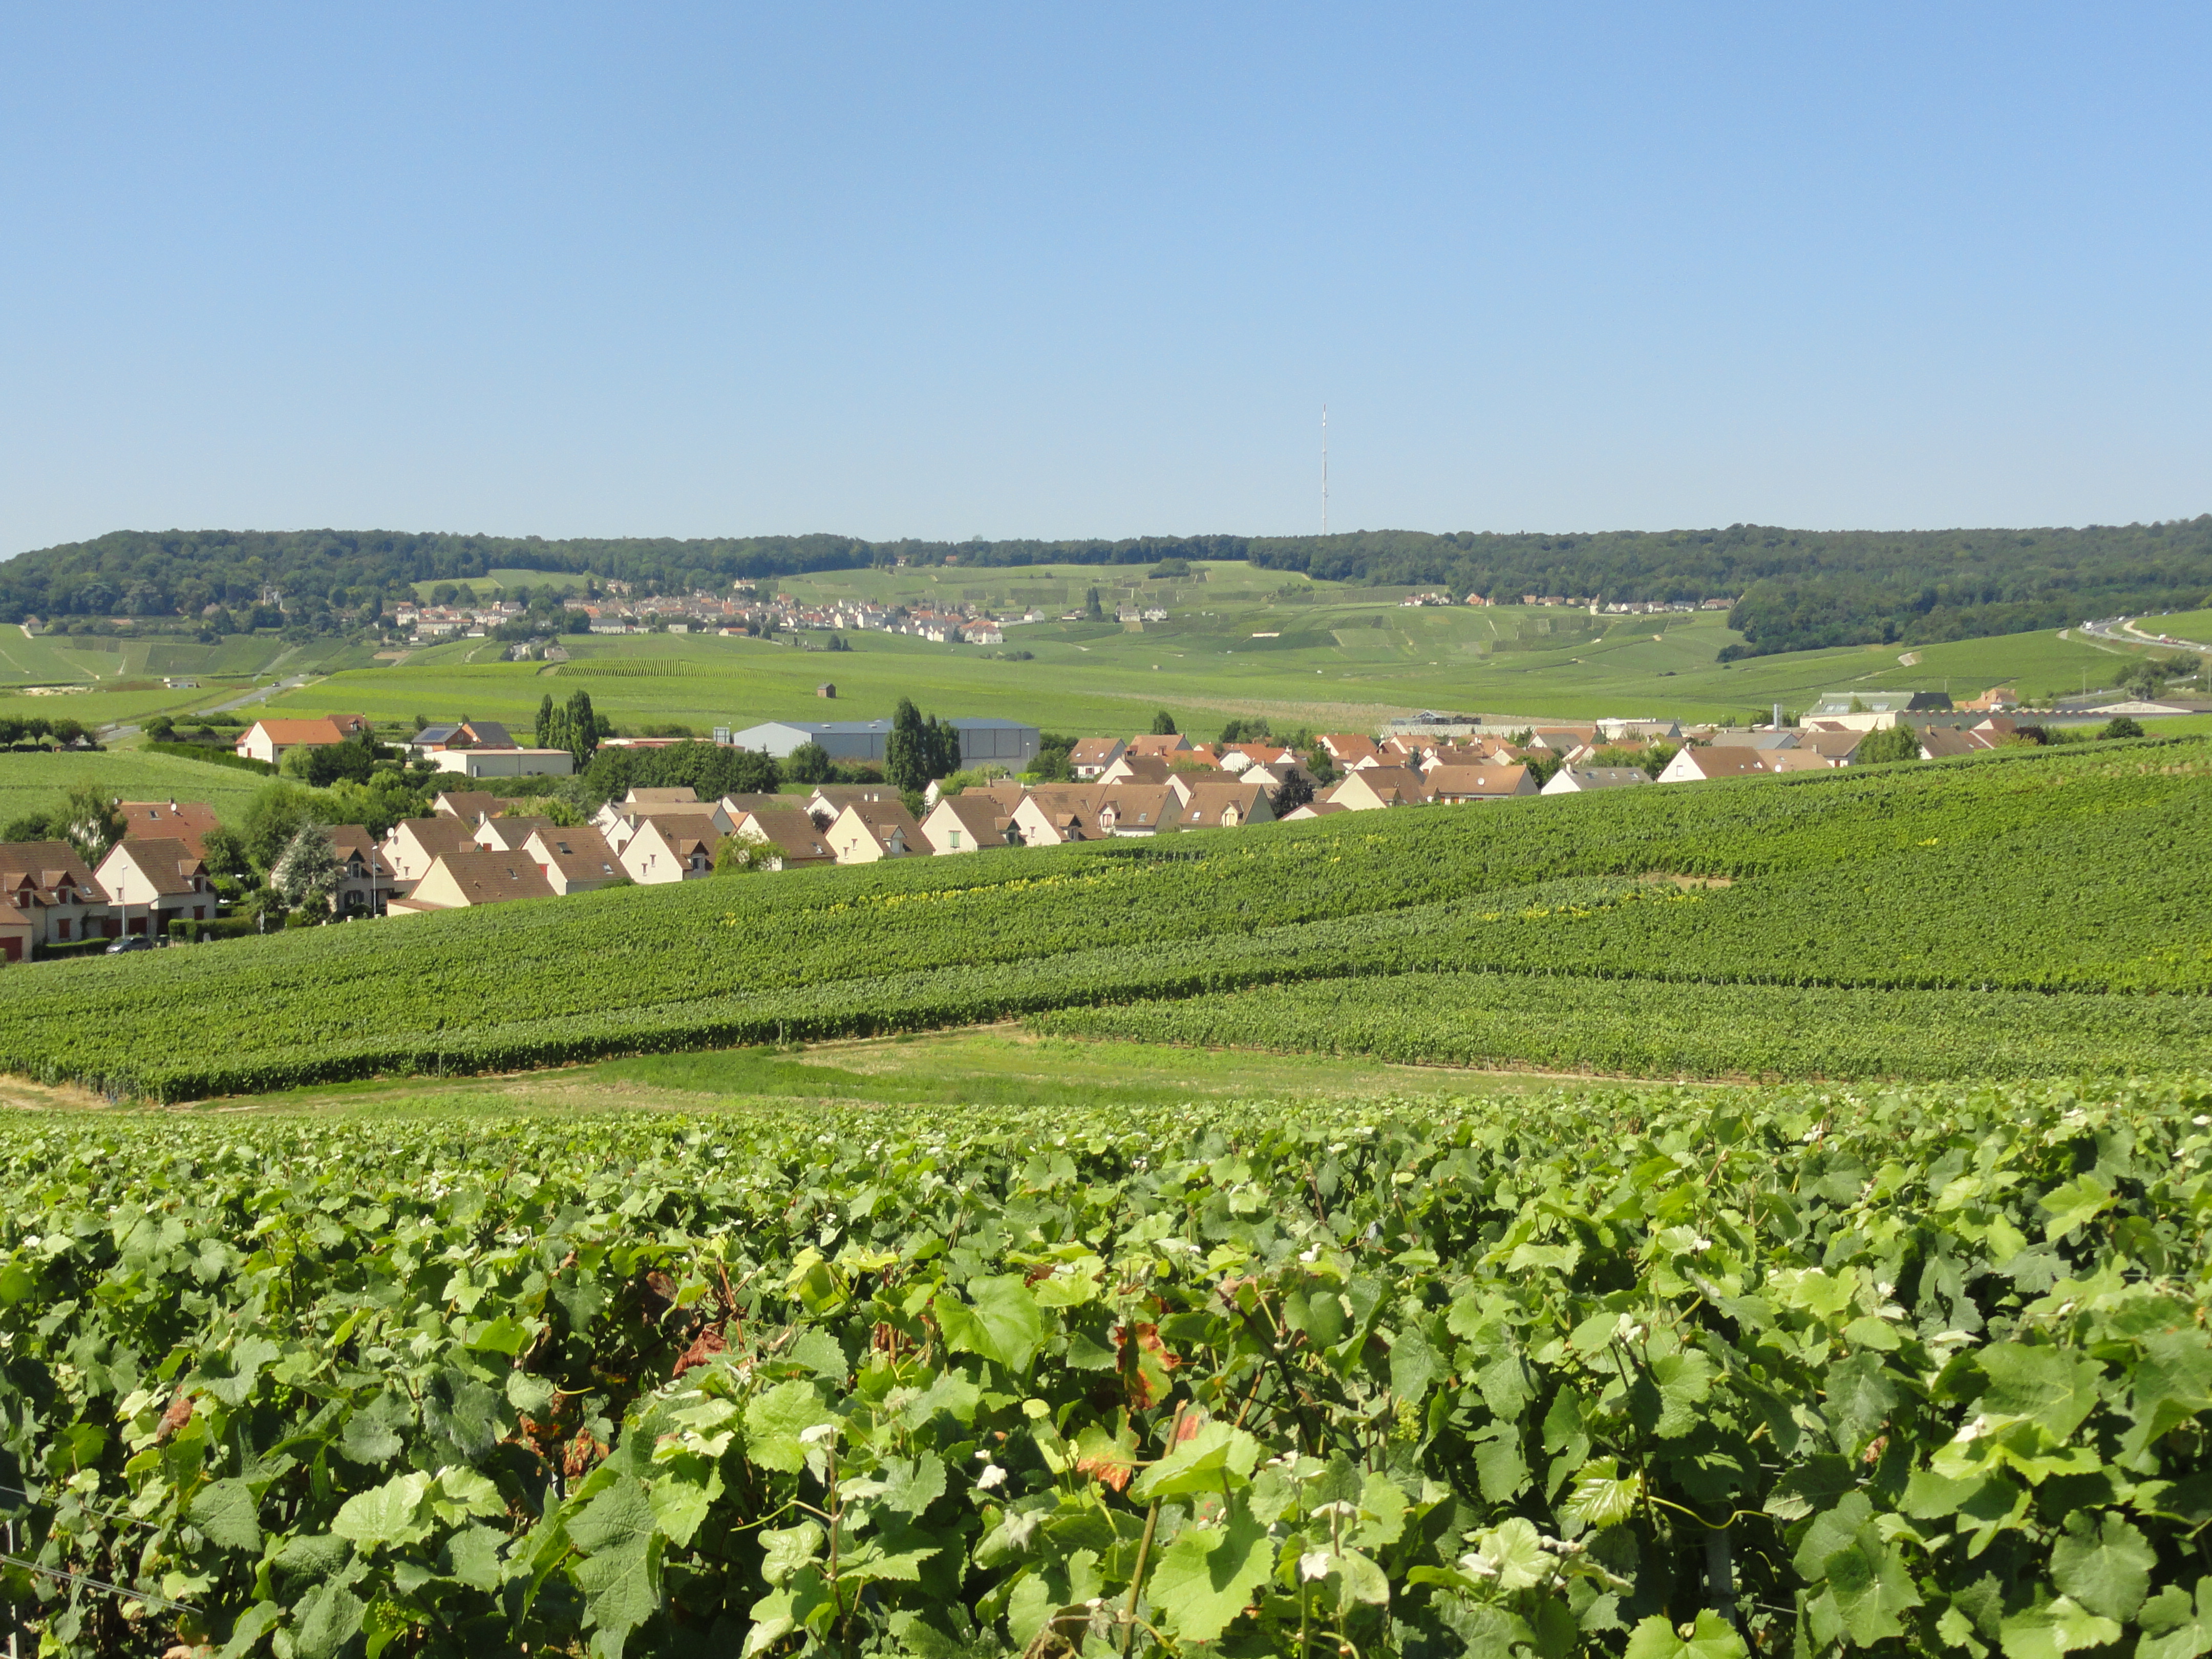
x: 2122, y: 630
x: 262, y: 694
x: 109, y: 733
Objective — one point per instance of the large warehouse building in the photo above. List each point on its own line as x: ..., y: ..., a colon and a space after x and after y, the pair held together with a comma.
x: 999, y: 743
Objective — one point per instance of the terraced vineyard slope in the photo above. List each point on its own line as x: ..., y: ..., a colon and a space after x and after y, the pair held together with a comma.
x: 2038, y: 872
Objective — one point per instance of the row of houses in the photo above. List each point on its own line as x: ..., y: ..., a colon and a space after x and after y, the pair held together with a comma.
x: 155, y: 874
x: 471, y: 749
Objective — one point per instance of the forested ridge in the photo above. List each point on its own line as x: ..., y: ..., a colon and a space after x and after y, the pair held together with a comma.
x: 1792, y: 589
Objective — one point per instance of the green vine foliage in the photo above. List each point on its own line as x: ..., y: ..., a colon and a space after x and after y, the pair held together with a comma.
x: 1662, y: 1375
x: 2037, y: 871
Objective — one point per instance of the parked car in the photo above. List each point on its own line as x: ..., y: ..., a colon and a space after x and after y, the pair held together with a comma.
x: 123, y: 945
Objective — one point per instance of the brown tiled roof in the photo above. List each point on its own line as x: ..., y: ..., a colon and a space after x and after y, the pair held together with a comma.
x: 983, y: 818
x: 347, y: 840
x: 492, y: 878
x: 1729, y: 762
x: 163, y: 862
x: 442, y: 834
x: 35, y: 869
x: 468, y: 804
x: 294, y: 732
x: 186, y: 820
x: 1210, y: 802
x: 791, y: 829
x: 1138, y: 806
x: 1144, y: 768
x: 1158, y: 744
x: 1475, y: 780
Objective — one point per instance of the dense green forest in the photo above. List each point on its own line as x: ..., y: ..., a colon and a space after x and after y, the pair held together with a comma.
x: 1794, y: 590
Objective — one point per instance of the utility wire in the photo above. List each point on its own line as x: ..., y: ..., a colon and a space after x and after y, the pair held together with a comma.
x: 98, y: 1584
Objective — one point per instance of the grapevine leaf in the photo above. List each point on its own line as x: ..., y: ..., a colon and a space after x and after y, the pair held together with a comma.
x: 1815, y: 1483
x: 1110, y: 1459
x: 1514, y: 1554
x: 912, y: 1485
x: 1602, y: 1496
x: 2172, y: 1628
x: 255, y: 1622
x: 2077, y: 1204
x: 504, y: 1334
x: 327, y: 1617
x: 2106, y: 1568
x: 1414, y: 1363
x: 1867, y: 1585
x: 1208, y: 1573
x: 529, y: 1394
x: 225, y: 1513
x: 775, y: 1421
x: 678, y: 1507
x: 1710, y: 1637
x: 386, y: 1515
x: 1682, y: 1381
x: 1500, y: 1466
x: 1002, y: 1321
x: 230, y: 1376
x: 817, y: 1351
x: 2059, y: 1626
x: 622, y: 1590
x: 473, y: 1555
x: 1218, y: 1455
x: 787, y: 1549
x: 2055, y: 1388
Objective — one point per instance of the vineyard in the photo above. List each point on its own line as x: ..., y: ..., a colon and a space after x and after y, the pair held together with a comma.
x: 1642, y: 1027
x: 2036, y: 872
x: 1661, y: 1375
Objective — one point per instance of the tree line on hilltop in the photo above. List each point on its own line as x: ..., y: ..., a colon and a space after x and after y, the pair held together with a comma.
x: 1792, y: 589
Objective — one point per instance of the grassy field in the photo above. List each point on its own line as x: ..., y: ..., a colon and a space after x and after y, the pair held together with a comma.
x: 2186, y: 625
x: 1642, y: 1027
x: 92, y: 659
x: 2027, y: 872
x: 987, y: 1066
x: 1238, y: 642
x: 1334, y: 663
x: 31, y: 783
x: 496, y: 582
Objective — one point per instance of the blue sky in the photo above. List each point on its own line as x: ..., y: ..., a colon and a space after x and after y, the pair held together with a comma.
x: 1054, y: 270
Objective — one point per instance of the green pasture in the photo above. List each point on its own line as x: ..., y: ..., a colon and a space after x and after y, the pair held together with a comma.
x: 1334, y: 661
x: 32, y: 783
x: 496, y: 582
x: 44, y: 659
x: 2187, y: 625
x: 138, y: 700
x: 1238, y: 641
x: 96, y: 660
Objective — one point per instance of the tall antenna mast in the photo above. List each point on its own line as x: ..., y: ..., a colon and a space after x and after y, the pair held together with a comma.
x: 1324, y: 469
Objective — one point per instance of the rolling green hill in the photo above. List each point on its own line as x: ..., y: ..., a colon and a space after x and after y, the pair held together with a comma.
x: 1341, y: 660
x: 1792, y: 590
x: 2022, y: 872
x: 37, y: 783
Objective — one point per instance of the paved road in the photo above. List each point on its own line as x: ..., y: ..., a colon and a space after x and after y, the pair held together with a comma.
x: 2122, y: 630
x: 109, y: 733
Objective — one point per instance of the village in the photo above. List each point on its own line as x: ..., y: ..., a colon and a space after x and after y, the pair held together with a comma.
x: 1013, y: 788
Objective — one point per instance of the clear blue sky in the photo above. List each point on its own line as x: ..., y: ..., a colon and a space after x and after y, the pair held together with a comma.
x: 1056, y: 270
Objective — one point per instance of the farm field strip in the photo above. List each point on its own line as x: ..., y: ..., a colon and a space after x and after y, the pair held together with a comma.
x: 1366, y: 663
x: 1660, y: 1028
x: 2084, y: 869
